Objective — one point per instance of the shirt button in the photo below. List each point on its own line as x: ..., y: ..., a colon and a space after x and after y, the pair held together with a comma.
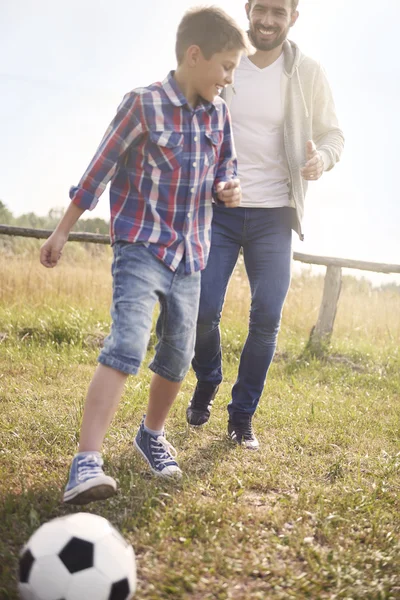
x: 189, y: 215
x: 192, y: 190
x: 195, y: 138
x: 194, y: 164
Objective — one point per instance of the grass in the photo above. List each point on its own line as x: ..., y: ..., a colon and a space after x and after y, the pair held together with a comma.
x: 313, y: 514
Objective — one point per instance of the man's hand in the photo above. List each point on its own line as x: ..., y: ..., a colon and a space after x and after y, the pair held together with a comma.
x: 229, y: 192
x: 50, y: 252
x: 314, y: 167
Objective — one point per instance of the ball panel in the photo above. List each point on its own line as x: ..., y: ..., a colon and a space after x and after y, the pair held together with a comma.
x: 25, y: 565
x: 87, y: 526
x: 112, y: 558
x: 49, y: 578
x: 89, y: 584
x: 77, y: 555
x: 120, y: 590
x: 25, y: 592
x: 132, y: 574
x: 119, y: 537
x: 50, y: 538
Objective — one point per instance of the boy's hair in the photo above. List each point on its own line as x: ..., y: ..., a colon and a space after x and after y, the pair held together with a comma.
x: 295, y: 4
x: 212, y: 30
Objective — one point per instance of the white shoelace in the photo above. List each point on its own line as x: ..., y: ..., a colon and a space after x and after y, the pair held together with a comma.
x: 89, y: 466
x: 163, y: 451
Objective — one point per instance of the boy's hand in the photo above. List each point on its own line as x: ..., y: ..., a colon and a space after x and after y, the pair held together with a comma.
x: 50, y: 252
x: 229, y: 192
x: 314, y: 167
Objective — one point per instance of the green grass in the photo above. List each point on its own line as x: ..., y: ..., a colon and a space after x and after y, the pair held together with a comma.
x: 313, y: 514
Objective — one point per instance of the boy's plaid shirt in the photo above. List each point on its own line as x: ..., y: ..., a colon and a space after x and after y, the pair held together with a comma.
x: 163, y: 159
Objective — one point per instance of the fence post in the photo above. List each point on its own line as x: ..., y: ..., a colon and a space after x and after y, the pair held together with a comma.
x: 321, y: 333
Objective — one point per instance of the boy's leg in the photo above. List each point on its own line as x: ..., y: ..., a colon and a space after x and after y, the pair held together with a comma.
x: 135, y: 281
x: 162, y: 395
x: 176, y: 327
x: 226, y: 241
x: 87, y: 481
x: 150, y: 440
x: 101, y: 403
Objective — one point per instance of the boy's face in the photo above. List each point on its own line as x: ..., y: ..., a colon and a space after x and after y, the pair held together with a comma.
x: 270, y: 21
x: 211, y: 76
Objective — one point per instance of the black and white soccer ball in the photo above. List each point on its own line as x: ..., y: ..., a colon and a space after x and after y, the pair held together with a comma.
x: 78, y: 557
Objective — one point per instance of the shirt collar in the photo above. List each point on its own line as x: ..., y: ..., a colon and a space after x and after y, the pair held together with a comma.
x: 177, y: 97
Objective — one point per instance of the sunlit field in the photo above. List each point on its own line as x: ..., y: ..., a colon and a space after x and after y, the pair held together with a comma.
x: 82, y: 281
x: 314, y: 514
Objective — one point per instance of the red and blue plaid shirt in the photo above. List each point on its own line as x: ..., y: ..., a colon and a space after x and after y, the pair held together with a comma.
x: 163, y: 159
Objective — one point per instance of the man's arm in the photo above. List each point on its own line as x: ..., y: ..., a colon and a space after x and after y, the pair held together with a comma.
x: 326, y: 147
x: 327, y: 135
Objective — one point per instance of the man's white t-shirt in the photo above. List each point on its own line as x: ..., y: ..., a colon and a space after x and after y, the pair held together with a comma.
x: 257, y: 111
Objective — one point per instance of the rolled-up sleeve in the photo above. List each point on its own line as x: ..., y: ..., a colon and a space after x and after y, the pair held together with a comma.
x: 124, y: 129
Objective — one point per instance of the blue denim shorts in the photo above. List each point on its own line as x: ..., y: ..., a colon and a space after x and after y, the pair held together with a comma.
x: 140, y: 281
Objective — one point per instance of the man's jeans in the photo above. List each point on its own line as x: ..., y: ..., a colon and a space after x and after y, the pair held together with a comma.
x: 266, y: 238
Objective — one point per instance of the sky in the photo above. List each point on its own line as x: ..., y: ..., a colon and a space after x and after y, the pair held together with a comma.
x: 66, y: 64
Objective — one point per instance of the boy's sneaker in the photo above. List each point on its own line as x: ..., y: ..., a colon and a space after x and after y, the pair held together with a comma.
x: 158, y: 452
x: 240, y: 430
x: 199, y: 409
x: 87, y: 481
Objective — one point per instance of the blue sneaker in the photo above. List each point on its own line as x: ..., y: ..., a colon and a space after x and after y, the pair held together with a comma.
x: 87, y: 481
x: 158, y: 452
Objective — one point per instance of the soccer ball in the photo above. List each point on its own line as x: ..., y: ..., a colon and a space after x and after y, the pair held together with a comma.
x: 78, y: 557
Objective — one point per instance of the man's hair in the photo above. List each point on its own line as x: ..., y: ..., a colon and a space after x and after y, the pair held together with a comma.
x: 295, y: 4
x: 212, y: 30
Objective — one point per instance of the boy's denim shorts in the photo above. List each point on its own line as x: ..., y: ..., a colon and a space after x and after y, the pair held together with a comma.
x: 140, y: 280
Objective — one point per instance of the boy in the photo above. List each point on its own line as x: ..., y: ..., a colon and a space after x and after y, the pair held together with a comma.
x: 167, y: 152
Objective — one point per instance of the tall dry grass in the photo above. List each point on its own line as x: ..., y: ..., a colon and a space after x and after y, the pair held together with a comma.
x: 365, y: 314
x: 82, y: 280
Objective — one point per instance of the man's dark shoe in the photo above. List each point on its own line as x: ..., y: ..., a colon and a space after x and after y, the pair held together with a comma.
x: 240, y: 430
x: 199, y: 409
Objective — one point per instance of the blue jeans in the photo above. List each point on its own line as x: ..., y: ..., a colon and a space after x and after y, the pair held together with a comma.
x: 140, y: 280
x: 266, y: 238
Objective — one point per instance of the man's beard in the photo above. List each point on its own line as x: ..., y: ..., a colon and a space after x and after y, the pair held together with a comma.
x: 266, y: 45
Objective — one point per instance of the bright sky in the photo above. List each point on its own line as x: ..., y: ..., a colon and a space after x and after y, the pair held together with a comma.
x: 66, y: 65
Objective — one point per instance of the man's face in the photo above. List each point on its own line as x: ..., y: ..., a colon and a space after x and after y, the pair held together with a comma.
x: 214, y: 74
x: 270, y: 21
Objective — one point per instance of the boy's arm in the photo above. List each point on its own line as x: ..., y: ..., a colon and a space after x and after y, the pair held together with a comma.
x: 226, y: 185
x: 50, y: 252
x: 121, y: 133
x: 124, y: 129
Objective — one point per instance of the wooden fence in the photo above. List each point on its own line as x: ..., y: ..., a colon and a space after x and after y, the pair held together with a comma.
x: 320, y: 334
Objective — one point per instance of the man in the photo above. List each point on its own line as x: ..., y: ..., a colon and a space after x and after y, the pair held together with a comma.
x: 286, y: 134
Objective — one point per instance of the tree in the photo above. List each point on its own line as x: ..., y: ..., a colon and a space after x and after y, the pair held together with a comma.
x: 6, y: 217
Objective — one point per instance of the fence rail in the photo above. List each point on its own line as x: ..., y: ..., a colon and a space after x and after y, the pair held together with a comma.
x: 320, y: 334
x: 75, y: 236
